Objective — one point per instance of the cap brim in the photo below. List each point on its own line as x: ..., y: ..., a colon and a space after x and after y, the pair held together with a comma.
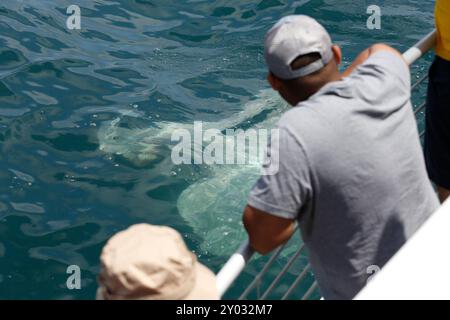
x: 205, y: 287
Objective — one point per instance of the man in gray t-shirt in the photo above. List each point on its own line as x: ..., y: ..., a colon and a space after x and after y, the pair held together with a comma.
x: 350, y: 164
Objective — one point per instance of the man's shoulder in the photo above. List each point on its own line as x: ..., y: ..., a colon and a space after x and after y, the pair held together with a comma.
x: 297, y: 117
x: 322, y: 106
x: 387, y: 57
x: 384, y: 64
x: 304, y: 123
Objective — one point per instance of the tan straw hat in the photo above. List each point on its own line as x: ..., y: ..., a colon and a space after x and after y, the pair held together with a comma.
x: 152, y: 263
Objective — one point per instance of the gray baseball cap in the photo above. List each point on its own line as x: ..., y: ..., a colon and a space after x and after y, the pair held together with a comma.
x: 294, y: 36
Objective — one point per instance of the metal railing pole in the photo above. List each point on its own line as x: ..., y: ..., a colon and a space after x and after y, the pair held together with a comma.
x: 310, y: 291
x: 422, y: 79
x: 233, y: 268
x: 420, y: 48
x: 420, y: 108
x: 297, y: 281
x: 282, y: 272
x: 264, y: 270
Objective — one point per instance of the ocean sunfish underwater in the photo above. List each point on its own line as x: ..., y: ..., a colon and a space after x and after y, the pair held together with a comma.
x: 212, y: 206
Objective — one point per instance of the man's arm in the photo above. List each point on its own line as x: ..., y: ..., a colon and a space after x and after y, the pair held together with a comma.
x: 266, y: 232
x: 363, y: 56
x: 276, y: 199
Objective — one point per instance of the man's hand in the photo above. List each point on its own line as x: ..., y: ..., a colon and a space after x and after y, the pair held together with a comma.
x: 266, y: 232
x: 363, y: 56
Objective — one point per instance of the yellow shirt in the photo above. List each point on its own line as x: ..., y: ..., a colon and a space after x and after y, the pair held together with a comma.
x: 442, y: 13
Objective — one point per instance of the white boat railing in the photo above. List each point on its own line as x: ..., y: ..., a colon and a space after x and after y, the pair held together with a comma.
x: 405, y: 276
x: 238, y: 261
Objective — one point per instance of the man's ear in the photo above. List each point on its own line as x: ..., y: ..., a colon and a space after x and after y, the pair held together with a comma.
x: 274, y: 82
x: 337, y: 52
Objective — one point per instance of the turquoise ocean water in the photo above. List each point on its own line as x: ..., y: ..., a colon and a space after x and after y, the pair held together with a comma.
x: 85, y: 117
